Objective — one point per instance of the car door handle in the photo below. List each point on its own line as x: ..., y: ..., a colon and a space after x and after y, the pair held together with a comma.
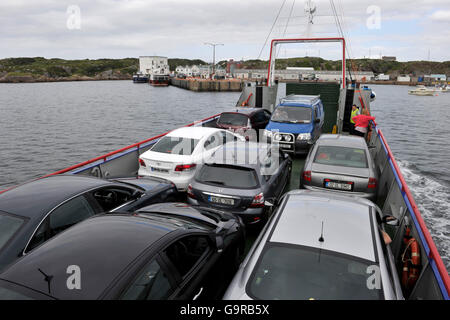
x: 198, y: 294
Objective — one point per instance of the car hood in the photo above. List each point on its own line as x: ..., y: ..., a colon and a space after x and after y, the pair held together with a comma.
x: 348, y: 171
x: 290, y: 127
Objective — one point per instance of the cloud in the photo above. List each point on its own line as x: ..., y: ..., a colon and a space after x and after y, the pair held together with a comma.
x: 441, y: 16
x: 179, y: 28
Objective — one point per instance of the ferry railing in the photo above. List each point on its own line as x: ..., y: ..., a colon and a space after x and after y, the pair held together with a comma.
x: 397, y: 195
x: 103, y: 159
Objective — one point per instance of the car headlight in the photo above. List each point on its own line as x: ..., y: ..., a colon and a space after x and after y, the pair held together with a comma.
x: 288, y: 138
x: 277, y: 137
x: 304, y: 136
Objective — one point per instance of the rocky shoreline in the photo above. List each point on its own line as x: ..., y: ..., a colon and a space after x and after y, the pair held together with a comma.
x: 107, y: 75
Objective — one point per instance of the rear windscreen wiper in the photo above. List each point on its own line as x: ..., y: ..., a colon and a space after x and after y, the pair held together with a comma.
x: 215, y: 182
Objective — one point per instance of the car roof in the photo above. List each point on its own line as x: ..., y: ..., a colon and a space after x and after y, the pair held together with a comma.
x: 232, y: 152
x: 294, y: 99
x: 102, y: 247
x: 244, y: 110
x: 340, y: 140
x: 192, y: 132
x: 181, y: 210
x: 347, y: 223
x: 39, y: 196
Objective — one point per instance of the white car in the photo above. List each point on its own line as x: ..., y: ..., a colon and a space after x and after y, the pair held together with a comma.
x: 175, y: 156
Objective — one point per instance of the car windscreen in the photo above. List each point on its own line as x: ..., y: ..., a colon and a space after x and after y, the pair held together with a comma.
x: 233, y: 119
x: 11, y: 291
x: 175, y: 145
x: 291, y: 114
x: 341, y: 156
x: 228, y: 176
x: 9, y: 225
x: 290, y: 272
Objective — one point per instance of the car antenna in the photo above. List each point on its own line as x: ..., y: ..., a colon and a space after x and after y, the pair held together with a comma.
x: 47, y: 278
x: 321, y: 240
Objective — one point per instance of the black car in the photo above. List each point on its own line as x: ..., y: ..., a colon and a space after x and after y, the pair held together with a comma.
x: 36, y: 211
x: 245, y: 121
x: 163, y: 251
x: 245, y: 178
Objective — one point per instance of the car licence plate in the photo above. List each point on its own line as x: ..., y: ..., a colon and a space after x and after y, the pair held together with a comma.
x: 220, y: 200
x: 347, y: 186
x: 159, y: 170
x: 285, y: 146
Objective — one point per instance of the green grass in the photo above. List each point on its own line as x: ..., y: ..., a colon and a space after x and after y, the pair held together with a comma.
x: 60, y: 68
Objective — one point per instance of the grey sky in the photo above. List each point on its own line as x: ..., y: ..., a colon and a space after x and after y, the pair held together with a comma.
x: 409, y: 29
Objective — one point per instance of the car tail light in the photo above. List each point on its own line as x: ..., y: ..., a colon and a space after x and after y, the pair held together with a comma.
x: 307, y: 176
x: 185, y: 167
x: 142, y: 162
x: 372, y: 183
x: 258, y: 201
x: 190, y: 193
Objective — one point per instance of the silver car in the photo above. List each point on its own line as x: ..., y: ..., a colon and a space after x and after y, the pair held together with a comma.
x: 340, y: 163
x: 319, y: 245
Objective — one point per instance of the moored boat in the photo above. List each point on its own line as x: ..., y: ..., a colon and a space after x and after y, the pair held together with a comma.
x: 140, y: 78
x: 159, y: 80
x: 421, y: 90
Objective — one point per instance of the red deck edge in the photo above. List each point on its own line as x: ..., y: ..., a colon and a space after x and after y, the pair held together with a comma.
x: 105, y: 156
x: 433, y: 254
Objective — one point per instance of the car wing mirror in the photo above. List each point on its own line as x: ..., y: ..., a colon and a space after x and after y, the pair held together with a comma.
x: 390, y: 220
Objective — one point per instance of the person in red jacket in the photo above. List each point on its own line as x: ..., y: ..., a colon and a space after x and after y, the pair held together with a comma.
x: 361, y: 124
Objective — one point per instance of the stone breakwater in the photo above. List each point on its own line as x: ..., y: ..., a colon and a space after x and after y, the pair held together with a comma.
x: 208, y: 85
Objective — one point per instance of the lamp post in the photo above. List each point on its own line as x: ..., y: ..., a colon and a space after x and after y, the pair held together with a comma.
x: 214, y: 53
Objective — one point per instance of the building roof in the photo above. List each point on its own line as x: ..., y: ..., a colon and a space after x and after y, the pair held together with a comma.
x: 346, y: 224
x: 152, y: 57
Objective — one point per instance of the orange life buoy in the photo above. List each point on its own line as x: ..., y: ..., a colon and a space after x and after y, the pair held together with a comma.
x: 411, y: 261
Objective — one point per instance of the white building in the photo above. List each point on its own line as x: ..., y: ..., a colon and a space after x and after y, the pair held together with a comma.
x: 382, y: 76
x: 300, y: 68
x: 202, y: 71
x: 290, y: 74
x: 153, y: 65
x: 404, y: 79
x: 435, y: 77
